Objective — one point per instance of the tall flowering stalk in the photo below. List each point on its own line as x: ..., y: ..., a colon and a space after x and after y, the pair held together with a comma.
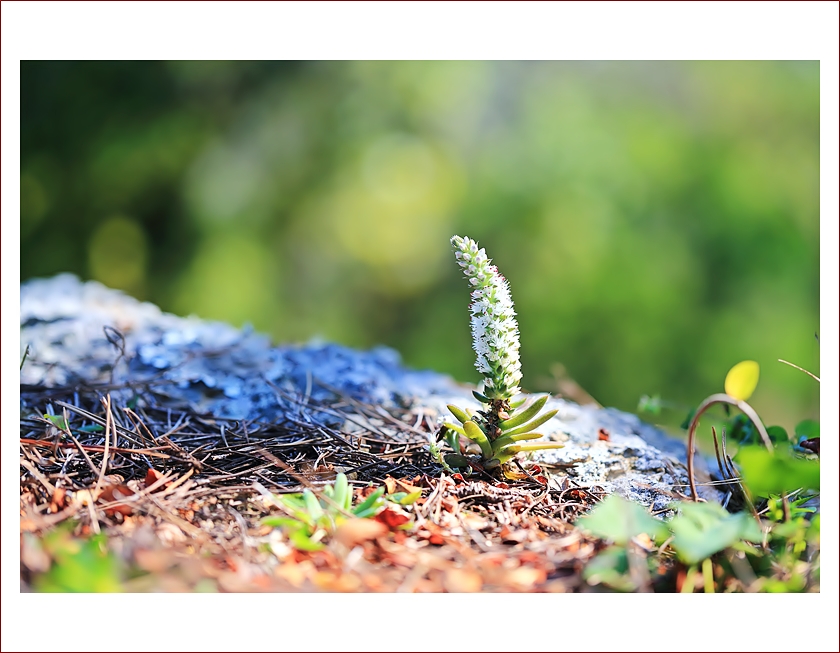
x: 492, y: 320
x: 495, y: 434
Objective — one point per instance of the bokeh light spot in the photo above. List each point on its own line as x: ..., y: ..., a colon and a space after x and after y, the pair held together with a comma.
x: 117, y: 254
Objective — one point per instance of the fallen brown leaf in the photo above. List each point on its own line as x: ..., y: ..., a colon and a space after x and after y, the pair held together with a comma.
x: 355, y: 531
x: 524, y: 578
x: 153, y: 561
x: 462, y: 580
x: 59, y: 499
x: 391, y: 518
x: 152, y: 477
x: 116, y: 493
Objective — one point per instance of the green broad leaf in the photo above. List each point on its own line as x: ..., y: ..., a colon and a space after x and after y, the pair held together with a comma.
x: 808, y: 429
x: 79, y: 566
x: 57, y: 421
x: 524, y: 415
x: 530, y: 426
x: 741, y: 380
x: 460, y: 415
x: 611, y: 569
x: 766, y: 473
x: 619, y: 520
x: 777, y: 434
x: 702, y: 529
x: 474, y: 433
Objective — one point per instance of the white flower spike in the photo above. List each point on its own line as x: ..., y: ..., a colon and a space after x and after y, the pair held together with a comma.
x: 494, y: 329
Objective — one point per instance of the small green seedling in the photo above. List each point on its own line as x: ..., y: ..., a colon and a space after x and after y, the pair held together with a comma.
x: 311, y: 518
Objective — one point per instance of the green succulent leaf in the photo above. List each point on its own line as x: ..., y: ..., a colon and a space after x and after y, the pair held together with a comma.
x: 369, y: 502
x: 539, y: 446
x: 455, y: 428
x: 530, y: 426
x: 516, y: 404
x: 404, y: 498
x: 524, y: 415
x: 474, y: 433
x: 453, y: 441
x: 506, y: 440
x: 283, y: 522
x: 482, y: 398
x: 459, y: 414
x: 456, y: 460
x: 313, y: 506
x: 301, y: 541
x: 342, y: 494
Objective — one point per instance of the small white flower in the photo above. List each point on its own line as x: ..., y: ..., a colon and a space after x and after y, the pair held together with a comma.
x: 494, y: 329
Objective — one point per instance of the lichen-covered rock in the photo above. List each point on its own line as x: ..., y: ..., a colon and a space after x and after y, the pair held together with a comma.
x: 85, y: 332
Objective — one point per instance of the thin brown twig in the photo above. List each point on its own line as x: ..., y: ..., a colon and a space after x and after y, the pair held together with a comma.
x: 108, y: 423
x: 46, y: 444
x: 801, y: 369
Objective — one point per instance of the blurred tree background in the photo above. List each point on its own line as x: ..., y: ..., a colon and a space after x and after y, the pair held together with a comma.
x: 658, y: 221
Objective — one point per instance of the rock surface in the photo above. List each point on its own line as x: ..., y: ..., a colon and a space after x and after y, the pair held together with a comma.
x: 84, y: 332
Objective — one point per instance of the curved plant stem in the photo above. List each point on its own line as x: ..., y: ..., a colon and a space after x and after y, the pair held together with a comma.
x: 720, y: 398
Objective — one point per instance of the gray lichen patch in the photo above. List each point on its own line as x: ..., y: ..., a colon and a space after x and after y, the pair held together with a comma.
x: 86, y: 333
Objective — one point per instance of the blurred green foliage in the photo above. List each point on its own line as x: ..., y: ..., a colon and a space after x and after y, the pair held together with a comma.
x: 658, y: 221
